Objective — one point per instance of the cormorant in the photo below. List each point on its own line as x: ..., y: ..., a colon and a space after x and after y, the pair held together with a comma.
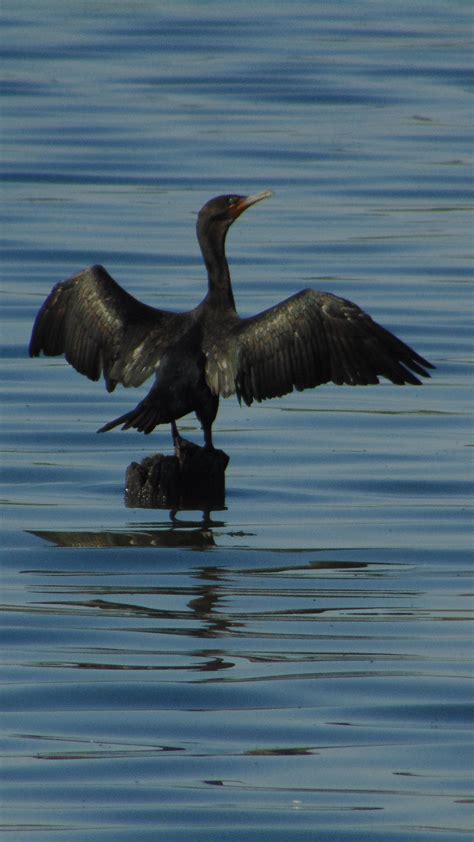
x: 210, y: 352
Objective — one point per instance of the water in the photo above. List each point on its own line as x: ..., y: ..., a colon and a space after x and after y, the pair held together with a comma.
x: 297, y: 665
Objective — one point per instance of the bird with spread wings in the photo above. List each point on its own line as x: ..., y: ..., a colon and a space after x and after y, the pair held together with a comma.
x: 209, y: 352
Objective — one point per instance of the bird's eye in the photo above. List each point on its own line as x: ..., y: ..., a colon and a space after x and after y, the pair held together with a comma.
x: 231, y: 201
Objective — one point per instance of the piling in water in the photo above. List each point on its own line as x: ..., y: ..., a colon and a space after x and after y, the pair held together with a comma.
x: 192, y: 478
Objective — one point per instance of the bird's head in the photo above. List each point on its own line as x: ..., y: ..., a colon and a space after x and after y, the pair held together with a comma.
x: 218, y: 214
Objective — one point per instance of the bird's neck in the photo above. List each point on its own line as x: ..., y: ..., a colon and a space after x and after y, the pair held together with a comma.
x: 220, y: 288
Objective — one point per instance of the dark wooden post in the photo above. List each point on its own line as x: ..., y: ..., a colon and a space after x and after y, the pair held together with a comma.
x: 192, y: 478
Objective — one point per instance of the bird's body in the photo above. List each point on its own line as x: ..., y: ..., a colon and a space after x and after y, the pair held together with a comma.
x: 210, y: 352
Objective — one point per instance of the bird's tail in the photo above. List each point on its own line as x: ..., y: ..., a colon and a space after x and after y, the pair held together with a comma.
x: 143, y: 418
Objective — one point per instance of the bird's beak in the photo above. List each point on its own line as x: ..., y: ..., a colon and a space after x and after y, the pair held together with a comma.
x: 247, y: 201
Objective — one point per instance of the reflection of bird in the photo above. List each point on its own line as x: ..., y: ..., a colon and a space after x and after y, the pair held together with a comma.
x: 202, y: 354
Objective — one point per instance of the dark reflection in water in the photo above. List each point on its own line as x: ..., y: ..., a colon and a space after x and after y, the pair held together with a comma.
x: 174, y: 537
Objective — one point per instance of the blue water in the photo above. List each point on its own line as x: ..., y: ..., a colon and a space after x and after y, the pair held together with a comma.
x: 297, y: 665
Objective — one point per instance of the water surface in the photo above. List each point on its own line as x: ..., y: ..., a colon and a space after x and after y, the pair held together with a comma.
x: 297, y: 665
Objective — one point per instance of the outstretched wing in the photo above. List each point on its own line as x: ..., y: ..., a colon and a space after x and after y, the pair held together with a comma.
x: 102, y: 329
x: 311, y: 338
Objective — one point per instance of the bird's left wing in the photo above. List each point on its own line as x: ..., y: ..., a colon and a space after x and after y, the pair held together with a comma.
x: 309, y: 339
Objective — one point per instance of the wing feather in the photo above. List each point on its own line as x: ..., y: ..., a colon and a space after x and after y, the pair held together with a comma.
x: 102, y: 329
x: 309, y: 339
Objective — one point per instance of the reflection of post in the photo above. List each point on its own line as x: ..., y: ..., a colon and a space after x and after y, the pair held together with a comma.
x: 196, y: 539
x: 205, y: 606
x: 193, y: 478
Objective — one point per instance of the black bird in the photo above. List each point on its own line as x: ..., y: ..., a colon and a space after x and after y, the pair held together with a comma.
x: 208, y: 352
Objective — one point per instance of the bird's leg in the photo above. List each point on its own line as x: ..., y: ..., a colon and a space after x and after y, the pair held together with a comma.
x: 206, y: 414
x: 207, y: 430
x: 177, y: 439
x: 181, y: 445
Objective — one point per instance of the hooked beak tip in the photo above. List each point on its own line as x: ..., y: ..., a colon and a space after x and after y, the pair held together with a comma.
x: 248, y: 201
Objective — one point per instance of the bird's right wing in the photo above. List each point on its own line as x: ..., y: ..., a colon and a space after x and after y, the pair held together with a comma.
x: 102, y: 329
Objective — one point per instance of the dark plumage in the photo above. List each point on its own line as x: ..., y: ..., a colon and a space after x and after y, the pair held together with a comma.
x: 197, y: 356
